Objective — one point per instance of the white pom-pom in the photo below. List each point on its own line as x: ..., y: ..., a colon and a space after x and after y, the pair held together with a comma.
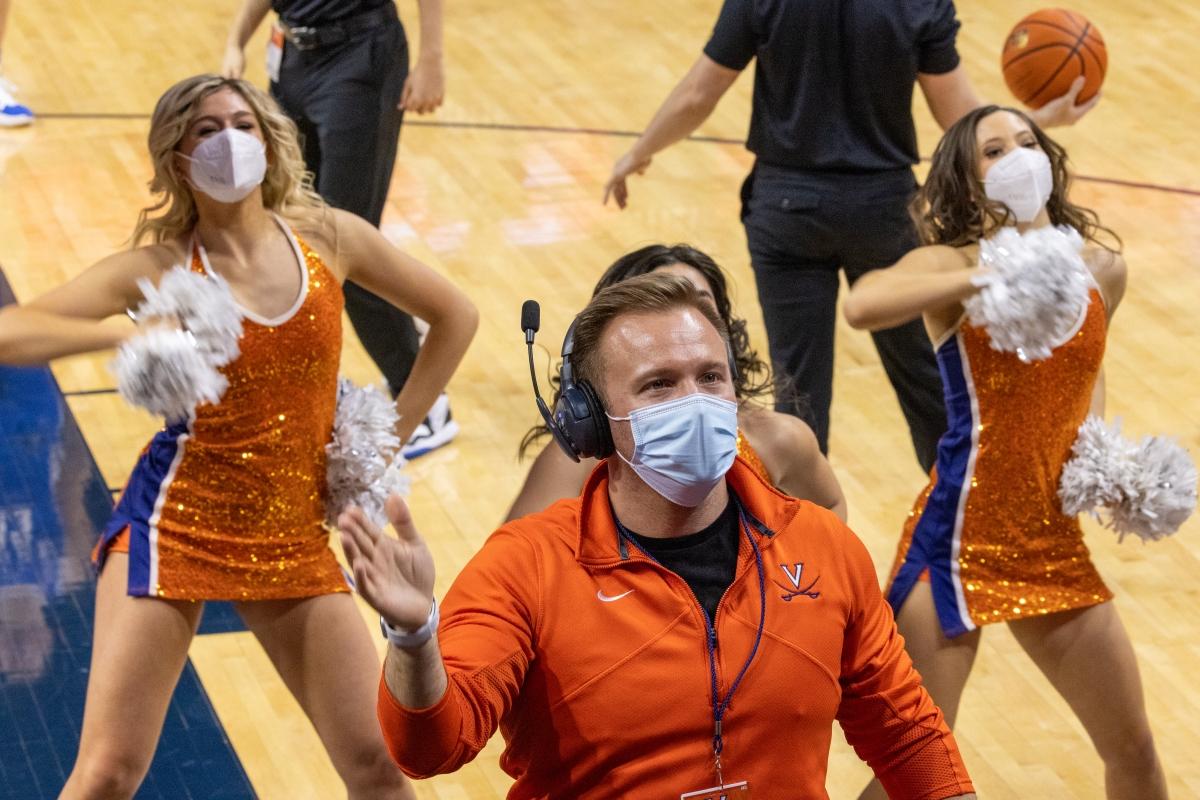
x: 203, y: 304
x: 1146, y: 489
x: 1100, y: 470
x: 1033, y: 289
x: 364, y: 464
x: 165, y: 372
x: 170, y: 372
x: 1163, y: 494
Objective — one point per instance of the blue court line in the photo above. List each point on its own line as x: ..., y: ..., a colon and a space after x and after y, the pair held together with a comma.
x: 53, y: 503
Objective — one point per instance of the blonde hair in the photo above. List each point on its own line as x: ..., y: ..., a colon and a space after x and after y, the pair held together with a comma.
x: 286, y: 189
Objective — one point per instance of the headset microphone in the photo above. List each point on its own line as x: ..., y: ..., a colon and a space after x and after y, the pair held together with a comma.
x: 578, y: 422
x: 531, y: 320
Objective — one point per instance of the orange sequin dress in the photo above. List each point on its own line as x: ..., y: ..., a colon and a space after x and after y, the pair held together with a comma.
x: 750, y: 456
x: 228, y: 505
x: 989, y: 528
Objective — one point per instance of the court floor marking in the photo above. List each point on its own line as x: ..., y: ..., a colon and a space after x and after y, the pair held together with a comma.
x: 612, y: 133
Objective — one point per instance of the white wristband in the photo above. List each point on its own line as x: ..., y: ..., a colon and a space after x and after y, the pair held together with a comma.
x: 399, y: 637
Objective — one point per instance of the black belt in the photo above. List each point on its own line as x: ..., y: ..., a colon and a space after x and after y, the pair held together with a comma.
x: 343, y: 30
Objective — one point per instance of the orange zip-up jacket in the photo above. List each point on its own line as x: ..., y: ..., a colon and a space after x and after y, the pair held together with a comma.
x: 593, y: 661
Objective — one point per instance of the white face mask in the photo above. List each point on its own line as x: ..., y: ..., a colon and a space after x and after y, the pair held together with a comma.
x: 1022, y: 181
x: 682, y: 448
x: 228, y: 165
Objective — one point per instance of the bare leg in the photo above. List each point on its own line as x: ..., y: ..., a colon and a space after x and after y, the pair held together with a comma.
x: 138, y: 650
x: 325, y: 655
x: 944, y: 664
x: 1087, y: 657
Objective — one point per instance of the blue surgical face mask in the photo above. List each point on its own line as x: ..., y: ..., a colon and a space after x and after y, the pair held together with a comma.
x: 682, y: 448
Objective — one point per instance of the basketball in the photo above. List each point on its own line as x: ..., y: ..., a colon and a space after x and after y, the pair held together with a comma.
x: 1049, y: 49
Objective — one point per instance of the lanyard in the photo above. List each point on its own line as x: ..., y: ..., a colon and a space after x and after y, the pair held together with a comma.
x: 720, y: 706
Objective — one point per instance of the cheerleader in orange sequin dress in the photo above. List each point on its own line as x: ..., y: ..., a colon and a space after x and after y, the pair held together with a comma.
x: 229, y: 503
x: 781, y: 448
x: 987, y: 540
x: 989, y: 531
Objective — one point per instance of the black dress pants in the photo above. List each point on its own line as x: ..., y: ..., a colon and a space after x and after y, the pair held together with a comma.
x: 801, y: 228
x: 344, y: 100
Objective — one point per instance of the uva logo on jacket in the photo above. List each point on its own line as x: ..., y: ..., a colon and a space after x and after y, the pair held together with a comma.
x: 795, y: 575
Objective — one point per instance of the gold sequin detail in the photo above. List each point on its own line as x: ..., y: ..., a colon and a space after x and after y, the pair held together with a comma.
x: 243, y: 517
x: 1019, y: 555
x: 751, y: 457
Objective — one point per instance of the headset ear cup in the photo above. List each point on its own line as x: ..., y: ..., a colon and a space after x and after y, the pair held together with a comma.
x: 566, y: 421
x: 601, y: 432
x: 559, y: 430
x: 580, y: 419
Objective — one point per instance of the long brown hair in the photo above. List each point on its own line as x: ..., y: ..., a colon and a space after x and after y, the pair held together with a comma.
x: 286, y: 188
x: 952, y: 208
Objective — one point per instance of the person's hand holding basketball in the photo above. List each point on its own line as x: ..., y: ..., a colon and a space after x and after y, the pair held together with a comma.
x: 394, y: 575
x: 1065, y: 110
x: 626, y: 165
x: 1053, y: 59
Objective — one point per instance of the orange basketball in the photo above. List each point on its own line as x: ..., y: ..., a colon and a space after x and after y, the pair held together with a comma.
x: 1048, y: 50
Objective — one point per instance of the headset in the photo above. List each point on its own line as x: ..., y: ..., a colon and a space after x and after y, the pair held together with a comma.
x: 579, y: 423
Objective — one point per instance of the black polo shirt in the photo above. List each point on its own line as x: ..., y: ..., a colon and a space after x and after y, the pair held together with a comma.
x: 834, y: 81
x: 315, y: 13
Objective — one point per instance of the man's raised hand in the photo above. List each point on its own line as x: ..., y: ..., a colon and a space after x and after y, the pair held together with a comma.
x: 393, y: 574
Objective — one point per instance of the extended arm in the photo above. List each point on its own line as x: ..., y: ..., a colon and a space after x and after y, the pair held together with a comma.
x: 935, y: 279
x: 950, y: 95
x: 29, y: 336
x: 74, y: 318
x: 689, y: 104
x: 440, y: 702
x: 245, y: 23
x: 395, y: 575
x: 372, y: 262
x: 425, y: 87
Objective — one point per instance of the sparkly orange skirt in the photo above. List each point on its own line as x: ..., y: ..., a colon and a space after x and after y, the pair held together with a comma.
x: 982, y: 570
x: 186, y: 541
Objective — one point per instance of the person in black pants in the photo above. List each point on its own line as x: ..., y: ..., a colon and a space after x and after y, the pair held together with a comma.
x: 834, y: 140
x: 339, y: 69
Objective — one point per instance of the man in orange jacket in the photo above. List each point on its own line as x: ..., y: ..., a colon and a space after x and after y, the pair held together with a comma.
x: 681, y: 629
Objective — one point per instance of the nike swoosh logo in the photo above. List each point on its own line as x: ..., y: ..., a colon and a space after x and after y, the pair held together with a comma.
x: 605, y: 598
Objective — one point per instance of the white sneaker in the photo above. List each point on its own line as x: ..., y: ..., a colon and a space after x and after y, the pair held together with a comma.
x: 439, y: 428
x: 12, y: 113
